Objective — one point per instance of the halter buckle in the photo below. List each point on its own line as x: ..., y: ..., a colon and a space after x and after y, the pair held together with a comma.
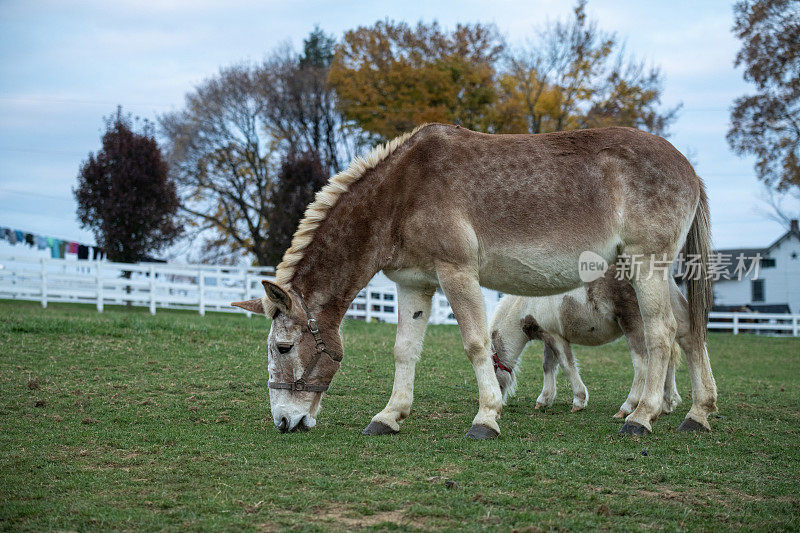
x: 312, y: 325
x: 299, y: 385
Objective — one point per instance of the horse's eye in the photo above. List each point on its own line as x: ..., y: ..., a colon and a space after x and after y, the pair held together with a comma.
x: 284, y: 348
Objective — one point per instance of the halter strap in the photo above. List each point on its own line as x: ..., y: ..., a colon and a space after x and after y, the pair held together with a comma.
x: 499, y: 364
x: 301, y: 384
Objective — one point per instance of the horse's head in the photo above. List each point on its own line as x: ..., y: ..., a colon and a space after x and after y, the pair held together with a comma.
x: 304, y: 351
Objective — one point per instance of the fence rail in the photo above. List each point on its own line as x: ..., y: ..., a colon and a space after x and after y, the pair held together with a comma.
x: 165, y: 286
x: 213, y: 287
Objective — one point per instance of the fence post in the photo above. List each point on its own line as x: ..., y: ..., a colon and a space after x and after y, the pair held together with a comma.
x: 368, y: 308
x: 735, y: 323
x: 795, y: 325
x: 99, y: 281
x: 44, y: 283
x: 248, y: 314
x: 152, y: 289
x: 201, y: 287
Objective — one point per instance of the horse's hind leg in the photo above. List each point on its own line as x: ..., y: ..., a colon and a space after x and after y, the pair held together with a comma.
x: 638, y: 351
x: 549, y: 373
x: 652, y: 293
x: 671, y: 396
x: 562, y: 348
x: 414, y: 310
x: 460, y: 285
x: 704, y: 388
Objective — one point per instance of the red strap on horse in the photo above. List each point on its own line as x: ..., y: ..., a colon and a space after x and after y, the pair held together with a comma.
x: 499, y: 364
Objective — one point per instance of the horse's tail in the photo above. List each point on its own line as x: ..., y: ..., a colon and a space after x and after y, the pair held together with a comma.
x: 698, y: 284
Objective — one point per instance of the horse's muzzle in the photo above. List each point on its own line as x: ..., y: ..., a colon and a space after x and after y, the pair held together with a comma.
x: 295, y: 423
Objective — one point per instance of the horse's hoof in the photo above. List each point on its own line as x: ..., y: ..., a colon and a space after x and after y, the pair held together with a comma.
x: 481, y: 432
x: 576, y: 409
x: 634, y: 428
x: 540, y: 405
x: 620, y: 414
x: 689, y: 424
x: 378, y: 428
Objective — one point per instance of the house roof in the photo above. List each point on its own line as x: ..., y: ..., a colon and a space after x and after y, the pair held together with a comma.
x: 730, y: 255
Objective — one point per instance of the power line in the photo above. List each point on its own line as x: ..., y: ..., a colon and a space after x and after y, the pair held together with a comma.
x: 57, y: 100
x: 40, y: 151
x: 35, y: 194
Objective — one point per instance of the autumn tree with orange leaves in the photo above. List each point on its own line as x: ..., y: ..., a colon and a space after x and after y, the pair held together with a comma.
x: 391, y: 77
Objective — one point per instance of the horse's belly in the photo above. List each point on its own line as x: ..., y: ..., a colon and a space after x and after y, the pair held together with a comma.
x: 533, y: 271
x: 525, y: 276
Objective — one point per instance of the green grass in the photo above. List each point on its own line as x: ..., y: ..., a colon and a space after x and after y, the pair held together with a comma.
x: 126, y: 421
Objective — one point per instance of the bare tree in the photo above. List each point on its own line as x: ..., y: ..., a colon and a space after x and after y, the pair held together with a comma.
x: 220, y: 157
x: 781, y: 207
x: 226, y: 145
x: 574, y: 75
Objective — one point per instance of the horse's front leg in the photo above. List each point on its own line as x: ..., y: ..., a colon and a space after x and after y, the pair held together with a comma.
x: 413, y: 312
x: 460, y: 285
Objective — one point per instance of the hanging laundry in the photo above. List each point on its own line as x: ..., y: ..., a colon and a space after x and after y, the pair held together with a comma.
x: 55, y: 248
x: 12, y: 236
x: 41, y: 242
x: 73, y: 247
x: 29, y: 239
x: 20, y: 237
x: 62, y: 249
x: 3, y: 233
x: 97, y: 253
x: 83, y: 251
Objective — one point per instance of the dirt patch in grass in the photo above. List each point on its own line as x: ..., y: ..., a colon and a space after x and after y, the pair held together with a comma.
x: 347, y: 519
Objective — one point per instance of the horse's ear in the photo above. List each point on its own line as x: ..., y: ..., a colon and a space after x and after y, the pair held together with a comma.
x: 254, y: 306
x: 278, y: 296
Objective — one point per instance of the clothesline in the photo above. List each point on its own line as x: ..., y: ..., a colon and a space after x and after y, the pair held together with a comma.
x: 58, y: 247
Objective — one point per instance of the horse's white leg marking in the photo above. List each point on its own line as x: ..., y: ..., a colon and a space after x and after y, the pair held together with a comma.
x: 549, y: 374
x: 414, y: 310
x: 652, y: 292
x: 704, y: 388
x: 460, y: 285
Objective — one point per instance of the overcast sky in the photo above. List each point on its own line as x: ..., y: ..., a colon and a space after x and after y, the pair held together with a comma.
x: 64, y: 65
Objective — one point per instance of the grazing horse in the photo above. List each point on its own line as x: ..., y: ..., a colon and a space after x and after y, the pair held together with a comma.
x: 592, y: 315
x: 443, y: 206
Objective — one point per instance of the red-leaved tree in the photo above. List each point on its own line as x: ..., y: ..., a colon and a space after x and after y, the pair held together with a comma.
x: 124, y: 194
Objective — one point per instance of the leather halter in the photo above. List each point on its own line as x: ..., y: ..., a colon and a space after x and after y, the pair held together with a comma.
x: 302, y: 385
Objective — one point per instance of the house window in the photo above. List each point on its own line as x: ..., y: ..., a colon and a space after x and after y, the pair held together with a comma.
x: 767, y: 262
x: 389, y: 297
x: 375, y: 295
x: 388, y: 309
x: 757, y: 290
x: 376, y: 308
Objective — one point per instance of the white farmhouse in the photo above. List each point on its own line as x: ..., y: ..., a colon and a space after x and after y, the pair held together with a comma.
x: 777, y: 285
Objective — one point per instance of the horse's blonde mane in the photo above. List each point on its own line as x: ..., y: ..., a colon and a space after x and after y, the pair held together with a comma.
x: 326, y: 198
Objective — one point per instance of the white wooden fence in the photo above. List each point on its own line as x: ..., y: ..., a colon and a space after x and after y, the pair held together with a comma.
x: 167, y: 286
x: 213, y: 287
x: 759, y: 323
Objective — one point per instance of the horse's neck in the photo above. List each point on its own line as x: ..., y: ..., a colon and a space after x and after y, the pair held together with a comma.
x: 349, y: 248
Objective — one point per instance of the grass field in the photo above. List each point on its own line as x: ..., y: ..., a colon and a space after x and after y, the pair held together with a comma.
x: 126, y: 421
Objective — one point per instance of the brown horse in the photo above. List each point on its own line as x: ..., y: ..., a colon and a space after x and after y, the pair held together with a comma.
x: 447, y: 207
